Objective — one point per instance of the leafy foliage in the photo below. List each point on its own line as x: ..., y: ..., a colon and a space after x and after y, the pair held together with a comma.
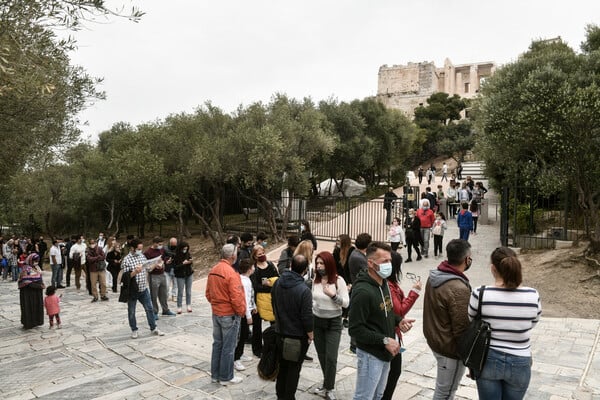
x: 441, y: 129
x: 538, y: 123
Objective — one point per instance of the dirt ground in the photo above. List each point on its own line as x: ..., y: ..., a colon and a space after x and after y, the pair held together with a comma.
x: 568, y: 285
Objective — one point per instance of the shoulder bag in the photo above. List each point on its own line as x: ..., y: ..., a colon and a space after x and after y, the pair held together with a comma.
x: 474, y: 344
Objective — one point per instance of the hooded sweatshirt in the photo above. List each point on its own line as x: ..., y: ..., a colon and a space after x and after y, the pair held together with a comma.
x: 445, y: 316
x: 372, y: 315
x: 292, y: 303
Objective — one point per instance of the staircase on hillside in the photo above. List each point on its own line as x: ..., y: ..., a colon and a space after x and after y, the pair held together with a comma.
x: 475, y: 169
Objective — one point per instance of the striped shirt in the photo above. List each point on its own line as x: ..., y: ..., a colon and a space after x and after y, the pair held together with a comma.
x: 511, y: 313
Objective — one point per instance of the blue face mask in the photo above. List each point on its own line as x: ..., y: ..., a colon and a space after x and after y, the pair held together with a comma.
x: 138, y: 252
x: 385, y: 270
x: 264, y: 244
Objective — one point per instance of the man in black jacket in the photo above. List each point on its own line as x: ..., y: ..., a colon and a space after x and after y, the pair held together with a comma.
x: 292, y: 303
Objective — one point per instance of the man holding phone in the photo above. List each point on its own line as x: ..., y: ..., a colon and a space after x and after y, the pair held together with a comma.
x: 133, y: 263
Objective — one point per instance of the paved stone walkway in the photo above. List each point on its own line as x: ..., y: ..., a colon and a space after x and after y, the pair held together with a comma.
x: 93, y: 356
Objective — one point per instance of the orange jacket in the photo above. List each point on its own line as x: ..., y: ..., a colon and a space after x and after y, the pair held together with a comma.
x: 224, y: 290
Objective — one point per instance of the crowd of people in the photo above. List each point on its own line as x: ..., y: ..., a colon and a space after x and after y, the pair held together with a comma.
x: 307, y: 298
x: 310, y: 296
x: 101, y: 262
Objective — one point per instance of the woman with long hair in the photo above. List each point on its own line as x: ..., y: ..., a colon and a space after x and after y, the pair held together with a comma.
x: 265, y: 275
x: 113, y: 261
x: 402, y: 305
x: 330, y: 295
x: 341, y: 254
x: 512, y: 311
x: 306, y: 234
x: 184, y: 273
x: 305, y: 248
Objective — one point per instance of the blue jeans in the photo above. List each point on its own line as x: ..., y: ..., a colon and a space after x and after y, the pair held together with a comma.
x: 371, y: 376
x: 144, y: 298
x: 56, y: 274
x: 15, y: 271
x: 225, y: 334
x: 464, y: 233
x: 5, y: 271
x: 449, y: 374
x: 187, y: 283
x: 504, y: 377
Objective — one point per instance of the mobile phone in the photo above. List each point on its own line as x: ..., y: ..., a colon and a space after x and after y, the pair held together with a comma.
x: 264, y: 280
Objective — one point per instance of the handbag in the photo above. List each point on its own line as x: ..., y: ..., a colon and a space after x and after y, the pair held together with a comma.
x: 291, y: 349
x: 474, y: 344
x: 101, y: 266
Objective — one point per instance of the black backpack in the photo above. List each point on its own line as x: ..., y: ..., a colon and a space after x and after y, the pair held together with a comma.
x: 268, y: 366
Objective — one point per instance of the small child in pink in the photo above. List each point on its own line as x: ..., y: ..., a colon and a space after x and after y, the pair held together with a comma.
x: 52, y: 304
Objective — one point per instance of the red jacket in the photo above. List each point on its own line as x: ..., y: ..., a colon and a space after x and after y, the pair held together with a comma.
x: 402, y: 305
x: 224, y: 290
x: 427, y: 217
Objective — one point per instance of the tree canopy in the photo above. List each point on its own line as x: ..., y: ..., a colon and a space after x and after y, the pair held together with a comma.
x: 443, y: 132
x: 538, y: 123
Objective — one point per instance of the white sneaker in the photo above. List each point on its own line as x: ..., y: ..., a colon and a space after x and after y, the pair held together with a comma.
x: 245, y: 358
x: 157, y: 332
x: 134, y: 334
x: 236, y: 379
x: 238, y: 366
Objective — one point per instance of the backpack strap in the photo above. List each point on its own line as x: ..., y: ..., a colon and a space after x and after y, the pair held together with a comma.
x: 481, y: 289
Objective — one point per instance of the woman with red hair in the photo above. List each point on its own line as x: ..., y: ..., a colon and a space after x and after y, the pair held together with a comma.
x: 330, y: 295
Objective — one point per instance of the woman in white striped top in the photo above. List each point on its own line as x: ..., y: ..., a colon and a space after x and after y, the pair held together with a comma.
x: 512, y: 310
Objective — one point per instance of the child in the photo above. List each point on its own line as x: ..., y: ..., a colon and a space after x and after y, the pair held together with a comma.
x: 52, y: 304
x: 246, y: 268
x: 465, y: 221
x: 474, y: 208
x: 437, y: 230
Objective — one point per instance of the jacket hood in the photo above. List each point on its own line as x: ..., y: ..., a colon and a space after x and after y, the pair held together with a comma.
x: 444, y: 273
x: 290, y: 279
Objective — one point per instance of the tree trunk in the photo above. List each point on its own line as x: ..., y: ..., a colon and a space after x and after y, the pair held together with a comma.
x: 111, y: 212
x: 217, y: 237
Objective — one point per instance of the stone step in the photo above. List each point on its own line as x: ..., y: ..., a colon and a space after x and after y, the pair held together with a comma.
x: 475, y: 169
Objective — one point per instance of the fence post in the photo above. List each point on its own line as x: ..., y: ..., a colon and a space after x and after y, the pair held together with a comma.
x: 504, y: 216
x: 347, y: 212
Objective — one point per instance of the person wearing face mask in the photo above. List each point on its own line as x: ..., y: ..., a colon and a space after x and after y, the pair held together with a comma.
x: 306, y: 234
x: 412, y: 231
x: 445, y: 315
x: 373, y: 322
x: 264, y: 277
x: 184, y: 273
x: 427, y: 218
x: 77, y: 259
x: 158, y: 280
x: 94, y: 258
x: 330, y: 295
x: 261, y: 239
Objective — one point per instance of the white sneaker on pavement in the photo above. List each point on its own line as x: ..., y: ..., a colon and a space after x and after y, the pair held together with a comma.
x: 157, y: 332
x: 236, y: 379
x: 134, y: 334
x: 245, y: 358
x: 238, y: 366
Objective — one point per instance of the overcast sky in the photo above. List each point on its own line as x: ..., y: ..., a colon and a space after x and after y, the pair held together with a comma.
x: 186, y: 52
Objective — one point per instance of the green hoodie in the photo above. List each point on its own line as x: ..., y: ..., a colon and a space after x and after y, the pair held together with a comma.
x: 371, y: 320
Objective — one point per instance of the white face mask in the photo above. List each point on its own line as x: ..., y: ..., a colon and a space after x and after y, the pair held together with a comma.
x: 385, y: 270
x: 184, y: 251
x: 138, y: 252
